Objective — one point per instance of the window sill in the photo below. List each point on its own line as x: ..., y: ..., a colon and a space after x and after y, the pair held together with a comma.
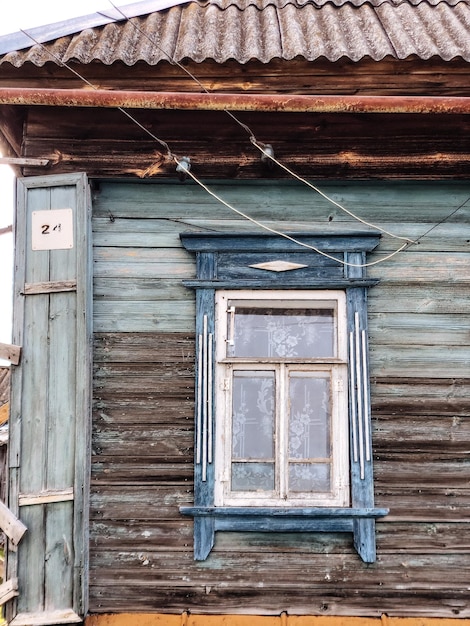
x: 359, y: 521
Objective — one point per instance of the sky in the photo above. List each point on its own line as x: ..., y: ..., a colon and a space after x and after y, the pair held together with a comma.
x: 16, y: 15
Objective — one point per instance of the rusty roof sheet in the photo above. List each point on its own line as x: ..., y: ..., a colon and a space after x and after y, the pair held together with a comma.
x: 264, y: 30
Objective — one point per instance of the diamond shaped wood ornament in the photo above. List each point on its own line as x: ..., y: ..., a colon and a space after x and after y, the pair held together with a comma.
x: 278, y: 266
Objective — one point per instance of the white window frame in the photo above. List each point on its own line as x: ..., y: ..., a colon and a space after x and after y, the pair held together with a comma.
x: 336, y: 367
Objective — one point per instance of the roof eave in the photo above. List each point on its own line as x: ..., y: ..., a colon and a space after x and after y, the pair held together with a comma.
x: 234, y: 102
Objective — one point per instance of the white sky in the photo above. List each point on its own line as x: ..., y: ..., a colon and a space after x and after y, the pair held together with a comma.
x: 22, y: 14
x: 16, y: 15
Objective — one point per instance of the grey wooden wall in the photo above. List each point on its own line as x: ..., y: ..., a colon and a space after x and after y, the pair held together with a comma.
x: 141, y: 547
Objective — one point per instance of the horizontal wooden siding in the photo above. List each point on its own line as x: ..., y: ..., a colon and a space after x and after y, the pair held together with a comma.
x: 141, y: 547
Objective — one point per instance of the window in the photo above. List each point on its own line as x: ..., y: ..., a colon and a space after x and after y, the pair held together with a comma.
x: 281, y: 381
x: 282, y: 420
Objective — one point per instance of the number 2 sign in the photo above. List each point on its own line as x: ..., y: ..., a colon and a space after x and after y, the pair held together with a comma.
x: 52, y: 230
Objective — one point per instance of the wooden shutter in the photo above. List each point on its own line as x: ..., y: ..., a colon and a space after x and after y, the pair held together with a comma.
x: 50, y: 406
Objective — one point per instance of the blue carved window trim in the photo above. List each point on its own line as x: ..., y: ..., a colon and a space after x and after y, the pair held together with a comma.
x: 225, y: 261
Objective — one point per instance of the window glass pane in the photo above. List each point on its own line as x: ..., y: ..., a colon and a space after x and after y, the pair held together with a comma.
x: 252, y: 476
x: 253, y: 415
x: 283, y: 332
x: 309, y: 477
x: 309, y: 415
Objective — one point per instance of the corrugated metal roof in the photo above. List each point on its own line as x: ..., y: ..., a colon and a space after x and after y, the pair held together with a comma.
x: 265, y: 29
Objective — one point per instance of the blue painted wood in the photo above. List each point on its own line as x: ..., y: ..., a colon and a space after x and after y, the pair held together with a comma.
x: 287, y: 281
x: 225, y: 258
x: 233, y: 266
x: 270, y: 519
x: 264, y: 242
x: 291, y: 512
x: 288, y: 525
x: 205, y: 305
x: 204, y: 489
x: 362, y: 489
x: 204, y: 536
x: 52, y: 403
x: 362, y: 486
x: 364, y: 539
x: 206, y: 265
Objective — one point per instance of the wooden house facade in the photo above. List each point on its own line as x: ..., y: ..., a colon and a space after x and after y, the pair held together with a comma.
x: 187, y: 167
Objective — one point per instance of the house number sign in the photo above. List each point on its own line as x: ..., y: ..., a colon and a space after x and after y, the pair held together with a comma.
x: 52, y: 230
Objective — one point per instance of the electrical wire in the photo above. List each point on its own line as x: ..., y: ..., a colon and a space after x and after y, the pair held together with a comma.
x: 206, y: 188
x: 290, y: 237
x: 259, y: 145
x: 426, y: 233
x: 92, y: 86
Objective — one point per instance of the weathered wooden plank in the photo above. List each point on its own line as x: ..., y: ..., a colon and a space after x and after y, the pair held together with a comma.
x: 150, y: 376
x: 45, y: 497
x: 170, y: 387
x: 167, y: 444
x: 141, y: 534
x: 143, y: 263
x: 206, y: 599
x: 425, y: 298
x: 418, y: 329
x: 438, y: 505
x: 45, y: 618
x: 409, y: 538
x: 53, y: 420
x: 21, y: 161
x: 424, y: 361
x: 147, y: 316
x: 405, y: 604
x: 117, y: 267
x: 140, y: 502
x: 416, y: 268
x: 331, y: 146
x: 49, y: 287
x: 8, y: 590
x: 422, y: 396
x: 33, y: 547
x: 13, y: 528
x: 152, y: 409
x: 419, y: 472
x: 423, y: 538
x: 59, y: 573
x: 10, y: 353
x: 164, y: 232
x: 389, y: 76
x: 371, y: 201
x: 447, y: 435
x: 232, y: 570
x: 139, y: 232
x: 140, y: 289
x: 135, y: 471
x: 144, y: 347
